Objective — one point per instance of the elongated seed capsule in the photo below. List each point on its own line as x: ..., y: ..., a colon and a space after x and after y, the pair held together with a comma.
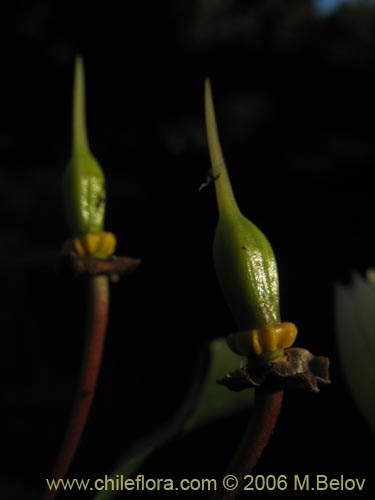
x: 84, y: 183
x: 245, y: 263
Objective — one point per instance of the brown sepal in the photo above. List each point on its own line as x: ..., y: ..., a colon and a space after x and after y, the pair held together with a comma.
x: 114, y: 266
x: 300, y: 369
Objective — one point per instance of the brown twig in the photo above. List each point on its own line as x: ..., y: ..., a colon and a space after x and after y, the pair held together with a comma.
x: 265, y: 412
x: 97, y: 317
x: 300, y: 369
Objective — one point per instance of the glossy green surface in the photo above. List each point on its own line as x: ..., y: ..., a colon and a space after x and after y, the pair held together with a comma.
x: 244, y: 260
x: 84, y: 183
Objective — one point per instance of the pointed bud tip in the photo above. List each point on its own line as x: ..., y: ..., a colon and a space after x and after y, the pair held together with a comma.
x: 79, y: 139
x: 224, y: 194
x: 84, y: 183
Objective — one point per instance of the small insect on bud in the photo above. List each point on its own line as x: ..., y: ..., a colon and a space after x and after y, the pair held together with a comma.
x: 84, y: 184
x: 245, y: 265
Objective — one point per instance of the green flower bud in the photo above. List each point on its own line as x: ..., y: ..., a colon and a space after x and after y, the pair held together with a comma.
x: 84, y: 183
x: 245, y: 263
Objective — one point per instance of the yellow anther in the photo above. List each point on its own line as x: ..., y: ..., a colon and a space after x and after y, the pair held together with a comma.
x: 273, y: 338
x: 107, y: 244
x: 90, y: 243
x: 288, y: 334
x: 269, y: 338
x: 100, y: 245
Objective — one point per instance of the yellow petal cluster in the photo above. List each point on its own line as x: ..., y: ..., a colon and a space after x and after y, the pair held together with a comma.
x: 268, y: 341
x: 100, y: 245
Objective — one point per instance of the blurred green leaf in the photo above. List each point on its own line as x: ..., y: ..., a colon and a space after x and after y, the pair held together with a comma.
x: 214, y: 400
x: 206, y: 401
x: 355, y: 331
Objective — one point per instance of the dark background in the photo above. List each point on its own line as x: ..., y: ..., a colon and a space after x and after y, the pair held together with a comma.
x: 295, y: 99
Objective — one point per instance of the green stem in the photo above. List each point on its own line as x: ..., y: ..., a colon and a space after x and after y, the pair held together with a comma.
x: 97, y: 318
x: 264, y: 417
x: 225, y: 198
x: 79, y: 139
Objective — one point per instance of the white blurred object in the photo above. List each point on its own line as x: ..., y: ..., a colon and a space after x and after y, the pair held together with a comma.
x: 355, y: 332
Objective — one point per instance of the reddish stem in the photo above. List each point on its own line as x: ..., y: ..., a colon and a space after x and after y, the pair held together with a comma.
x: 97, y: 318
x: 264, y: 417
